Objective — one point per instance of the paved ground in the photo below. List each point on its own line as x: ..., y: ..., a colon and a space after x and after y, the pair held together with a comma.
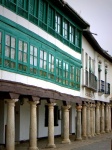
x: 99, y: 142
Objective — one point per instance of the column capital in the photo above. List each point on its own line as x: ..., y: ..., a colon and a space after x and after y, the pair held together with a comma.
x: 79, y: 107
x: 33, y: 102
x: 66, y: 106
x: 11, y: 101
x: 51, y: 104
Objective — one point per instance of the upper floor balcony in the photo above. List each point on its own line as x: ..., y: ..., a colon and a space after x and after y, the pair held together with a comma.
x: 89, y: 80
x: 103, y: 88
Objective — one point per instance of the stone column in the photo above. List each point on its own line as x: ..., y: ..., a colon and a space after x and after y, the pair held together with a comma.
x: 94, y: 119
x: 66, y: 124
x: 10, y: 135
x: 110, y: 117
x: 78, y: 135
x: 51, y: 125
x: 107, y: 118
x: 84, y: 112
x: 97, y: 118
x: 33, y: 125
x: 88, y: 121
x: 102, y: 118
x: 91, y: 120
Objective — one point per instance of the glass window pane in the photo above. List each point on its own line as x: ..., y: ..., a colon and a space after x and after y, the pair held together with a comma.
x: 35, y: 61
x: 25, y: 57
x: 0, y: 49
x: 20, y: 56
x: 7, y: 42
x: 45, y: 56
x: 12, y: 53
x: 12, y: 42
x: 41, y: 54
x: 35, y: 51
x: 45, y: 65
x: 7, y: 51
x: 20, y: 45
x: 25, y: 47
x: 31, y: 60
x: 31, y: 50
x: 50, y: 58
x: 41, y: 63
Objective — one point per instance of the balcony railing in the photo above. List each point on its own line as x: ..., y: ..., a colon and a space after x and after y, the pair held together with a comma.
x: 89, y: 80
x: 103, y: 87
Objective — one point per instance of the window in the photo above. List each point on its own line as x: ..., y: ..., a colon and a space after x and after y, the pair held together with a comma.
x: 58, y: 70
x: 10, y: 51
x: 78, y: 38
x: 43, y: 11
x: 72, y: 82
x: 65, y: 29
x: 43, y: 63
x: 0, y: 48
x: 23, y: 56
x: 56, y: 115
x: 51, y: 18
x: 33, y: 6
x: 89, y: 64
x: 33, y: 59
x: 65, y: 73
x: 77, y: 78
x: 23, y: 4
x: 71, y: 34
x: 51, y: 66
x: 86, y: 60
x: 93, y: 66
x: 58, y: 23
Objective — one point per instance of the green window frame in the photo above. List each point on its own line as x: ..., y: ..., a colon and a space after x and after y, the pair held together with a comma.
x: 71, y: 34
x: 77, y: 80
x: 51, y: 17
x: 33, y: 59
x: 1, y: 47
x: 33, y: 7
x: 22, y: 55
x: 65, y: 29
x: 43, y: 11
x: 72, y: 76
x: 58, y: 22
x: 43, y: 63
x: 23, y: 4
x: 65, y: 73
x: 10, y: 51
x: 59, y: 70
x: 51, y: 67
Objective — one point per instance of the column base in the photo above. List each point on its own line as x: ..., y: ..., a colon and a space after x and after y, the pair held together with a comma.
x: 51, y: 146
x: 107, y: 131
x: 102, y: 132
x: 66, y: 141
x: 84, y: 137
x: 33, y: 148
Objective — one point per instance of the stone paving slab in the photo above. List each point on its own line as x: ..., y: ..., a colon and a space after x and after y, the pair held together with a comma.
x: 102, y: 140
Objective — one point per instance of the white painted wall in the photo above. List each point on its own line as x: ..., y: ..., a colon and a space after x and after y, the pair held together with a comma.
x: 96, y: 56
x: 24, y: 120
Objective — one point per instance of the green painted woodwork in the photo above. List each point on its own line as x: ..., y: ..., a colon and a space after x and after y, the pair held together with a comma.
x: 24, y: 52
x: 50, y: 18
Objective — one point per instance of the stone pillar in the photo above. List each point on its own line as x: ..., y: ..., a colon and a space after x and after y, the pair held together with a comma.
x: 78, y: 135
x: 10, y: 135
x: 110, y: 117
x: 88, y: 121
x: 107, y: 118
x: 51, y: 126
x: 84, y: 112
x: 97, y: 118
x: 94, y: 119
x: 33, y: 125
x: 66, y: 124
x: 91, y: 120
x: 102, y: 118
